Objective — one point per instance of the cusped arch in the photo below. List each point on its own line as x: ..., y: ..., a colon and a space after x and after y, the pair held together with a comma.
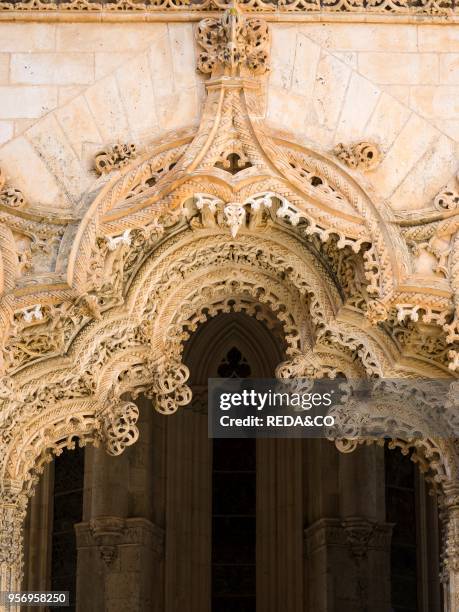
x: 137, y: 346
x: 153, y: 189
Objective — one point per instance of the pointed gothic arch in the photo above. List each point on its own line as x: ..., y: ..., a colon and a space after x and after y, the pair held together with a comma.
x: 290, y: 235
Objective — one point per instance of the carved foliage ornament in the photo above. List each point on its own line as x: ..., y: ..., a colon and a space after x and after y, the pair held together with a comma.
x: 8, y: 195
x: 384, y: 7
x: 233, y: 42
x: 364, y: 156
x: 114, y: 157
x: 120, y: 428
x: 447, y: 199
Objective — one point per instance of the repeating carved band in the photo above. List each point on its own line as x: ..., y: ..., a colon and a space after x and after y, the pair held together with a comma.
x: 386, y: 7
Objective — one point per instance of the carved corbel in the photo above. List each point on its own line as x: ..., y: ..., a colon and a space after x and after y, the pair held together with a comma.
x: 359, y: 532
x: 114, y: 157
x: 364, y: 156
x: 107, y: 532
x: 252, y: 214
x: 235, y: 217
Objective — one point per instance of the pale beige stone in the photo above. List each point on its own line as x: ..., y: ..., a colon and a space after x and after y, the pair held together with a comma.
x: 283, y: 49
x: 449, y: 68
x: 183, y: 54
x: 135, y: 85
x: 438, y: 38
x: 363, y: 36
x: 411, y: 144
x: 332, y: 79
x: 400, y: 68
x: 361, y: 98
x: 387, y: 120
x: 4, y: 68
x: 27, y: 37
x: 348, y: 57
x: 441, y: 102
x: 52, y: 68
x: 161, y: 61
x: 106, y: 63
x: 317, y: 135
x: 48, y: 138
x: 283, y: 104
x: 307, y: 55
x: 107, y: 108
x: 78, y: 124
x: 37, y: 183
x: 6, y: 131
x: 430, y: 173
x: 449, y: 127
x: 178, y: 110
x: 26, y: 102
x: 400, y: 92
x: 310, y: 91
x: 21, y: 125
x: 68, y: 92
x: 105, y: 37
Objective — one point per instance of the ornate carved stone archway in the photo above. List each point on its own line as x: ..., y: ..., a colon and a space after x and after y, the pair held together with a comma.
x: 230, y: 218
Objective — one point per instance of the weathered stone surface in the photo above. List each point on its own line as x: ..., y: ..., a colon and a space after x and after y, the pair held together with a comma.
x: 91, y: 311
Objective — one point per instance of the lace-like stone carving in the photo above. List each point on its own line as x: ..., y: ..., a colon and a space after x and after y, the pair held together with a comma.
x: 120, y: 428
x: 233, y: 42
x: 364, y: 156
x: 9, y: 196
x: 169, y: 389
x: 114, y: 157
x: 384, y: 7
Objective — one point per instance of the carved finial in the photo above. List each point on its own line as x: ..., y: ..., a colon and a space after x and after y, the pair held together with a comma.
x: 233, y: 42
x: 364, y: 156
x: 114, y: 157
x: 8, y: 195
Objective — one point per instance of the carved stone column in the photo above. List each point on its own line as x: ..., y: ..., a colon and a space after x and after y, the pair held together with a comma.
x: 450, y: 573
x: 348, y: 565
x: 279, y: 526
x: 368, y: 536
x: 347, y: 543
x: 121, y: 539
x: 122, y: 551
x: 38, y: 532
x: 13, y: 504
x: 104, y: 521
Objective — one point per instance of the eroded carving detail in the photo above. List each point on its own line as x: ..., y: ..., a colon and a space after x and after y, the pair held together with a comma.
x: 8, y: 195
x: 447, y: 199
x: 233, y: 42
x: 384, y: 7
x: 119, y: 426
x: 364, y: 156
x: 115, y: 157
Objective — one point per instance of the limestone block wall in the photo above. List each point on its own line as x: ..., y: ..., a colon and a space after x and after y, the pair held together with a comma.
x: 66, y: 89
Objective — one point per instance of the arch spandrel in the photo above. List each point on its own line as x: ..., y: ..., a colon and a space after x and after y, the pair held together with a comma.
x: 231, y: 218
x: 124, y: 351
